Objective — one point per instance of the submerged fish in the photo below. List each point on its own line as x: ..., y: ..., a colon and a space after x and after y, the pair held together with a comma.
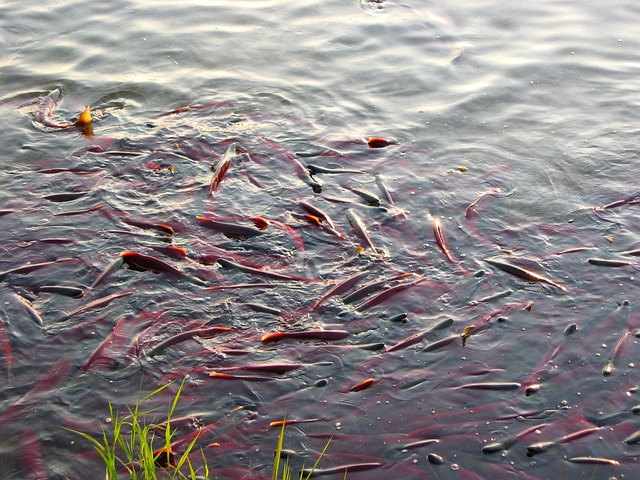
x: 522, y: 273
x: 306, y: 335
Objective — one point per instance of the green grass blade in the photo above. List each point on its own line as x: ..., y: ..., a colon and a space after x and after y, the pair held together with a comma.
x: 276, y: 460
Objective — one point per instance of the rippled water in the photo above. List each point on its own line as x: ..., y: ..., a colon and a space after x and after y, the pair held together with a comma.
x: 512, y: 126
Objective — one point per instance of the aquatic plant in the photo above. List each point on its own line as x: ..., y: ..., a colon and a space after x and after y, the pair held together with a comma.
x: 142, y: 450
x: 286, y: 466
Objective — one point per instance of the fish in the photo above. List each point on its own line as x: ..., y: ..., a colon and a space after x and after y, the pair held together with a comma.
x: 363, y: 385
x: 67, y: 291
x: 522, y: 273
x: 339, y: 288
x: 438, y: 231
x: 247, y: 378
x: 280, y: 423
x: 594, y: 460
x: 316, y: 212
x: 71, y: 213
x: 64, y: 197
x: 145, y: 224
x: 372, y: 287
x: 99, y: 303
x: 354, y: 467
x: 440, y: 343
x: 471, y: 208
x: 31, y: 461
x: 220, y: 169
x: 6, y: 345
x: 399, y: 318
x: 541, y: 447
x: 315, y: 169
x: 491, y: 298
x: 33, y: 313
x: 388, y: 293
x: 418, y: 337
x: 262, y: 308
x: 610, y: 367
x: 260, y: 222
x: 264, y: 367
x: 232, y: 230
x: 607, y: 262
x: 164, y: 458
x: 257, y: 271
x: 360, y: 230
x: 492, y: 386
x: 146, y: 263
x: 306, y: 335
x: 172, y: 251
x: 207, y: 332
x: 31, y: 267
x: 369, y: 198
x: 383, y: 190
x: 418, y: 444
x: 109, y: 340
x: 49, y: 381
x: 242, y: 285
x: 507, y: 443
x: 113, y: 266
x: 300, y: 169
x: 85, y: 117
x: 46, y: 107
x: 379, y: 142
x: 635, y: 198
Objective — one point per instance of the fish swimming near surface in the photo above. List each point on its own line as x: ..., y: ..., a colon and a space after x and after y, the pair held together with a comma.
x: 220, y: 169
x: 522, y: 273
x: 44, y: 116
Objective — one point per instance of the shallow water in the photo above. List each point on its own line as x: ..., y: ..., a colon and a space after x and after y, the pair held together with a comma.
x: 512, y: 125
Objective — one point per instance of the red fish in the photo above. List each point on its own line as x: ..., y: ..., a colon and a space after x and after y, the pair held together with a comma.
x: 99, y: 303
x: 256, y: 271
x: 44, y: 114
x: 298, y: 166
x: 368, y: 383
x: 264, y: 367
x: 306, y: 335
x: 207, y: 332
x: 522, y: 273
x: 220, y: 169
x: 6, y: 346
x: 438, y: 231
x: 146, y: 263
x: 33, y: 466
x: 360, y: 230
x: 339, y: 288
x: 30, y: 267
x: 388, y: 293
x: 378, y: 142
x: 248, y: 378
x: 229, y: 229
x: 120, y: 343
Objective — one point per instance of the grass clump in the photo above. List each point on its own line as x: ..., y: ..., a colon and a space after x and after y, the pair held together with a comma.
x: 135, y: 449
x: 286, y: 467
x: 141, y: 450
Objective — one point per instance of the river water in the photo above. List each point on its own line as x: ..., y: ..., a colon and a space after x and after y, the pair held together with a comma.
x: 512, y: 134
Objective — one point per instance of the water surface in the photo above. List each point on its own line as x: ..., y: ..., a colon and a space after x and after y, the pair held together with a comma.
x: 512, y: 126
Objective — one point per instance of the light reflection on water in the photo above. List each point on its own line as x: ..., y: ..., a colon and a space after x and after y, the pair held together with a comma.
x: 529, y: 110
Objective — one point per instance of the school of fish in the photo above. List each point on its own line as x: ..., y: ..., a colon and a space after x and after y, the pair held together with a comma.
x: 306, y: 278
